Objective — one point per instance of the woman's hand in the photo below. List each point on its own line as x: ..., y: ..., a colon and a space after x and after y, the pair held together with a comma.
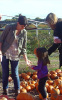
x: 28, y: 62
x: 57, y: 40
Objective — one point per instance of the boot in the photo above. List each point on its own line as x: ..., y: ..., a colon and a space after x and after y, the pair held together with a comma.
x: 5, y: 91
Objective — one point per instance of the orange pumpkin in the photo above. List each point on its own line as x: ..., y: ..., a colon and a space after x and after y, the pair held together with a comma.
x: 54, y: 93
x: 58, y: 70
x: 50, y: 82
x: 57, y: 81
x: 52, y: 72
x: 59, y: 97
x: 49, y: 88
x: 61, y: 91
x: 24, y: 96
x: 34, y: 77
x: 53, y: 76
x: 28, y: 88
x: 29, y: 73
x: 59, y: 74
x: 35, y: 73
x: 26, y: 77
x: 32, y: 86
x: 23, y: 90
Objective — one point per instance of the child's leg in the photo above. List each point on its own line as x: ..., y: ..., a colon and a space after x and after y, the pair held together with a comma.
x: 41, y: 87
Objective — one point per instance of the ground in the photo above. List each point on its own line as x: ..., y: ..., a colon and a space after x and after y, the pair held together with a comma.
x: 54, y: 64
x: 12, y: 94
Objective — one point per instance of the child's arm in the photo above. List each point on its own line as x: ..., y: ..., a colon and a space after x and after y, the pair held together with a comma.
x: 35, y: 67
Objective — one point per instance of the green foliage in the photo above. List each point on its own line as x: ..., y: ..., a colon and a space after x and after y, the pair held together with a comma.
x: 44, y: 39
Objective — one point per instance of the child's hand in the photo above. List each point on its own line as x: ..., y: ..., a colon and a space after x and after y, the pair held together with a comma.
x: 32, y: 66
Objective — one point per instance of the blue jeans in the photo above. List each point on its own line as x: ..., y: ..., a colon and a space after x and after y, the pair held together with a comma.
x: 14, y: 71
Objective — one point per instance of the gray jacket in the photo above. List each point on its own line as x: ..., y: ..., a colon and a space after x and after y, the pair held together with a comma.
x: 8, y: 36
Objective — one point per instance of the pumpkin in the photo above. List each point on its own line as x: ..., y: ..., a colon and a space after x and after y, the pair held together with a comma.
x: 54, y: 93
x: 28, y: 88
x: 47, y: 85
x: 53, y: 76
x: 59, y: 74
x: 5, y: 97
x: 57, y: 81
x: 22, y: 75
x: 34, y: 77
x: 55, y: 90
x: 59, y: 97
x: 32, y: 86
x: 53, y: 72
x: 24, y: 96
x: 26, y: 77
x: 49, y: 88
x: 50, y: 82
x: 23, y: 90
x: 29, y: 73
x: 35, y: 73
x: 58, y: 70
x: 61, y: 91
x: 33, y: 82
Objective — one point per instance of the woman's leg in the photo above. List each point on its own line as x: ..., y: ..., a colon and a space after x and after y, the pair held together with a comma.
x: 41, y: 86
x: 15, y: 74
x: 5, y: 72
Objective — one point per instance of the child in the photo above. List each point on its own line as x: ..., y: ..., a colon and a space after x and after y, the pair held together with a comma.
x: 41, y: 68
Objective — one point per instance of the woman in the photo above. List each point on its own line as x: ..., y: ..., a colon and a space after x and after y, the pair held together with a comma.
x: 56, y: 26
x: 12, y: 44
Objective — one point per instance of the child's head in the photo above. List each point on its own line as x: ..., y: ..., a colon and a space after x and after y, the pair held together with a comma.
x: 42, y: 54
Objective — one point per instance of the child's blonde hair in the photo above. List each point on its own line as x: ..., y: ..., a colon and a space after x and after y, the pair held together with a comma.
x: 51, y: 18
x: 42, y: 54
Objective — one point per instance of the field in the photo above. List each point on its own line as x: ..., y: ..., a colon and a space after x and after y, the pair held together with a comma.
x: 23, y: 68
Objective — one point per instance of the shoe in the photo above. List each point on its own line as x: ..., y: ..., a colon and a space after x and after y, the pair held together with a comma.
x: 5, y: 91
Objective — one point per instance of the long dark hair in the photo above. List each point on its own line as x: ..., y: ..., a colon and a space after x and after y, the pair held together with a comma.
x: 42, y: 55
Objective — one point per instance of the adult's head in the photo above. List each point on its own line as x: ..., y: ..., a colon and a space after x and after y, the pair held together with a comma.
x: 51, y: 19
x: 22, y: 22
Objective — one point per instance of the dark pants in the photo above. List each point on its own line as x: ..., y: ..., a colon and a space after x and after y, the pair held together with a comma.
x: 5, y: 73
x: 53, y: 48
x: 41, y: 86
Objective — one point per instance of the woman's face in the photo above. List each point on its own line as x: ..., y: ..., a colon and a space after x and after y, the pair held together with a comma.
x: 52, y: 26
x: 20, y: 27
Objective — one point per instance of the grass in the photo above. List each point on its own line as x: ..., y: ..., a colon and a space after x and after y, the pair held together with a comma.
x: 54, y: 63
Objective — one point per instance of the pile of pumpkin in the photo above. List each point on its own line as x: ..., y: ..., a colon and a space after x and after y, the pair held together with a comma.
x: 29, y: 82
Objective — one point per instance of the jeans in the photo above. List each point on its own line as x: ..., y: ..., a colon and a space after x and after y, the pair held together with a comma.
x: 14, y: 71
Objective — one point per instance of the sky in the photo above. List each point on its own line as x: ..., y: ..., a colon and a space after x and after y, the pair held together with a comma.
x: 30, y: 8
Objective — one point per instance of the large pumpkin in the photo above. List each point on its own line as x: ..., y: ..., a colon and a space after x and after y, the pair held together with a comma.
x: 59, y: 97
x: 24, y: 96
